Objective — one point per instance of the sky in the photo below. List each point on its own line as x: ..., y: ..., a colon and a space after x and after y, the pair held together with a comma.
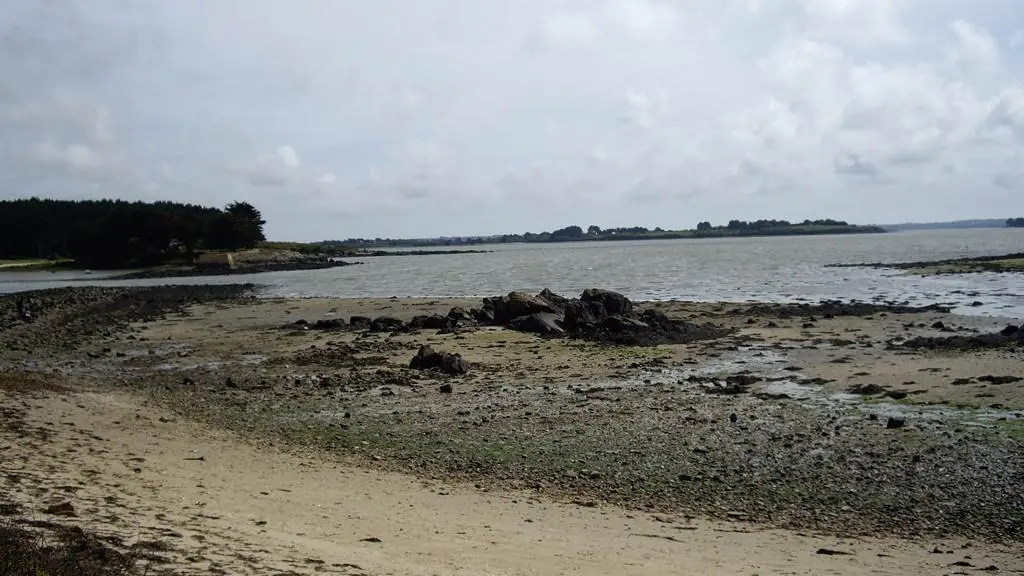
x: 412, y: 118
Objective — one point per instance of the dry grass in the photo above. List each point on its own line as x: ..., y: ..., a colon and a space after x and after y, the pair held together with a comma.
x: 46, y: 549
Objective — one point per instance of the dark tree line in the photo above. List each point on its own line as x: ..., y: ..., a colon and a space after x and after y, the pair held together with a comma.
x: 1015, y: 223
x: 115, y: 233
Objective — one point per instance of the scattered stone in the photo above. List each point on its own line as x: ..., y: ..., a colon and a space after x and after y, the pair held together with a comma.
x: 360, y: 322
x: 895, y: 422
x: 831, y: 552
x: 372, y: 540
x: 432, y: 322
x: 63, y: 509
x: 867, y: 389
x: 1001, y: 339
x: 447, y: 363
x: 386, y: 324
x: 445, y: 388
x: 329, y: 324
x: 998, y: 380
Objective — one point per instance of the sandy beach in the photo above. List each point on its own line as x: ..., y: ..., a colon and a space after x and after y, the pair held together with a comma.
x: 238, y: 435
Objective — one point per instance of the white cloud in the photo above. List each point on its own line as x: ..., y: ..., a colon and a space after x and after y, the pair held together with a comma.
x: 284, y: 169
x: 478, y: 116
x: 75, y: 156
x: 975, y: 49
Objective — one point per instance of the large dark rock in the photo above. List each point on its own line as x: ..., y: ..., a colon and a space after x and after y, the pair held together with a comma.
x: 516, y: 304
x: 329, y: 324
x: 599, y: 315
x: 429, y: 359
x: 619, y: 323
x: 360, y: 322
x: 656, y: 318
x: 386, y: 324
x: 482, y: 316
x: 613, y: 302
x: 555, y: 300
x: 580, y: 316
x: 544, y: 323
x: 431, y: 322
x: 461, y: 316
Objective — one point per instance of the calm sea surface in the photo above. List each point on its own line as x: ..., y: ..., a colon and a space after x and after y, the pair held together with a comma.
x: 731, y: 269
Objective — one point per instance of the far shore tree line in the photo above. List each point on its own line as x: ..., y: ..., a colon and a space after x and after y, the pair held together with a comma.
x: 1015, y: 223
x: 577, y: 233
x: 117, y: 233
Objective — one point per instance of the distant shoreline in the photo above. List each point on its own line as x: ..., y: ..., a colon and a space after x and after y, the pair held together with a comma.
x: 657, y: 234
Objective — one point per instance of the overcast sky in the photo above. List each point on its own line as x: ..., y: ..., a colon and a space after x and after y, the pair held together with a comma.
x: 342, y: 118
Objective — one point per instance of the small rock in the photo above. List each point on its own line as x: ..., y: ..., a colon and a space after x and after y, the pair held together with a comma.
x: 64, y: 509
x: 445, y: 389
x: 895, y: 422
x: 831, y: 552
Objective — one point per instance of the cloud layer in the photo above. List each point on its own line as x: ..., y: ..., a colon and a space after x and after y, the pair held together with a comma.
x: 405, y: 118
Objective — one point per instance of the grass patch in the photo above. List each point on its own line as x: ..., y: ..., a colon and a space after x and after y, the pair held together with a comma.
x: 641, y: 351
x: 1013, y: 428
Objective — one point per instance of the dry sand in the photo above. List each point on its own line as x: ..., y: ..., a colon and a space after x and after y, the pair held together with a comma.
x: 228, y: 506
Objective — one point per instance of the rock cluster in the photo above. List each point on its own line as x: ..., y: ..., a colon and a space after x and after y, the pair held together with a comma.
x: 597, y: 315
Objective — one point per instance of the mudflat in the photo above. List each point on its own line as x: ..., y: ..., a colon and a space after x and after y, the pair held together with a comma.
x: 283, y: 428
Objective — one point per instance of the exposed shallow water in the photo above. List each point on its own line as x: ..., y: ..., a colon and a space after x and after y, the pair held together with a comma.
x: 786, y: 269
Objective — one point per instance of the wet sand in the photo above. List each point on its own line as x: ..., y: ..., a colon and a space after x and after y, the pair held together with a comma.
x: 784, y: 424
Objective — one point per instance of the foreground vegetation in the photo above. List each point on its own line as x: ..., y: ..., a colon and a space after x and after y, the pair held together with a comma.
x: 54, y: 550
